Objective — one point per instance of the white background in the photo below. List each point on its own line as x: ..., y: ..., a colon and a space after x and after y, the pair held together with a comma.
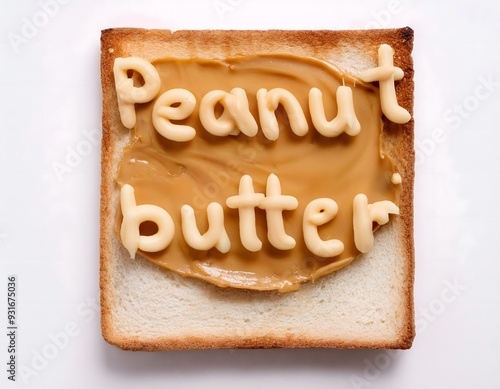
x: 50, y: 106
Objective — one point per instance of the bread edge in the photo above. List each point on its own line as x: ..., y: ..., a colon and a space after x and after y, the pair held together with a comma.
x: 402, y: 41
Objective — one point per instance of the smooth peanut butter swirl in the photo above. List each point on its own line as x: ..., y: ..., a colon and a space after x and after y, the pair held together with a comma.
x: 322, y: 163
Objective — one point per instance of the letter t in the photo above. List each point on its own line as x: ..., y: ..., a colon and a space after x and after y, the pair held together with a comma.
x: 274, y: 204
x: 246, y: 201
x: 386, y: 73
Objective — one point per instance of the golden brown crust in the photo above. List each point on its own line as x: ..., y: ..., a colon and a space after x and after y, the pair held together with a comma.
x: 399, y: 140
x: 193, y: 342
x: 402, y: 151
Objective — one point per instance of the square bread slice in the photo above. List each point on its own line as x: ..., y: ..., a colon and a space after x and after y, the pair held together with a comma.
x: 367, y: 304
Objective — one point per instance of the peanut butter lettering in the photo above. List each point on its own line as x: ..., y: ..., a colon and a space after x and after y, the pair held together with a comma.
x: 317, y: 213
x: 235, y: 118
x: 268, y: 103
x: 275, y: 203
x: 364, y: 216
x: 345, y: 121
x: 164, y: 111
x: 207, y: 170
x: 246, y: 201
x: 386, y: 73
x: 134, y: 215
x: 215, y: 236
x: 127, y: 93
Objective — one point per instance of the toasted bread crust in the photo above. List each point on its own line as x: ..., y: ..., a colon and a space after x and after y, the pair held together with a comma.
x: 153, y: 44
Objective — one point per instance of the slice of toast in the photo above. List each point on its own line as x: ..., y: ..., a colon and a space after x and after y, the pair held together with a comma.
x: 367, y: 304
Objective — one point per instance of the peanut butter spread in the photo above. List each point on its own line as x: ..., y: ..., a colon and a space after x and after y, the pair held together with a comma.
x: 318, y: 174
